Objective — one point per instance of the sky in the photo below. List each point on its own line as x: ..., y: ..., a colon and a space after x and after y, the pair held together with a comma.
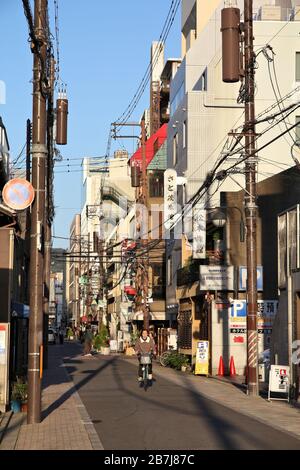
x: 104, y: 53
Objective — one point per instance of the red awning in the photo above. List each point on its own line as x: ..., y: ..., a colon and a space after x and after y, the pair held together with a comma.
x: 153, y: 144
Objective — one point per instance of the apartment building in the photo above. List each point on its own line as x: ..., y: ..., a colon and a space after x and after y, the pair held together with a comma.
x: 204, y: 110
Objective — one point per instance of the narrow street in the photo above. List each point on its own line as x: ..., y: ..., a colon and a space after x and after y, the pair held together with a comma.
x: 167, y: 416
x: 150, y: 214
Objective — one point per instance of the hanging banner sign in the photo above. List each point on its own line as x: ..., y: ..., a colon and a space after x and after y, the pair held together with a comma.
x: 202, y: 358
x: 170, y: 202
x: 199, y: 232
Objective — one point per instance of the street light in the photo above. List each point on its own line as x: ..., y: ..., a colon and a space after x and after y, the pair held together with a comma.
x: 219, y: 220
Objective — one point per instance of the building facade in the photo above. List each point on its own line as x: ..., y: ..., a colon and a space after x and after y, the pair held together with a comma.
x: 204, y: 110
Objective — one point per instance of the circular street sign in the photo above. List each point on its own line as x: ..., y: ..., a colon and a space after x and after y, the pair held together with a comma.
x: 18, y: 194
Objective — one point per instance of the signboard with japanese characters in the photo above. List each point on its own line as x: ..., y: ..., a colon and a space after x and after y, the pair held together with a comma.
x: 170, y: 202
x: 279, y: 382
x: 266, y: 312
x: 199, y: 232
x: 217, y: 278
x: 202, y: 358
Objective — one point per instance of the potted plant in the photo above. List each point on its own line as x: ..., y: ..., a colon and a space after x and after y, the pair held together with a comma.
x: 103, y: 341
x: 70, y: 334
x: 184, y: 364
x: 97, y: 343
x: 15, y: 403
x: 19, y: 397
x: 105, y: 349
x: 24, y: 396
x: 178, y: 361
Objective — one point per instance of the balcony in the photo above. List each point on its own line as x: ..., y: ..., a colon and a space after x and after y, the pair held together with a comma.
x: 113, y: 194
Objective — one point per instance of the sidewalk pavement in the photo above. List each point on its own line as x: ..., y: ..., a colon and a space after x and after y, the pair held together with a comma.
x: 66, y: 424
x: 278, y: 414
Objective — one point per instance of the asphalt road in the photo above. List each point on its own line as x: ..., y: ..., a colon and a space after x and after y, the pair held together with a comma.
x: 166, y: 417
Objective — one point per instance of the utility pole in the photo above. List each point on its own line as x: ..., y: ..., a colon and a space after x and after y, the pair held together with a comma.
x: 144, y: 201
x: 142, y: 276
x: 48, y: 209
x: 101, y: 252
x: 39, y: 155
x: 250, y: 202
x: 28, y: 149
x: 233, y: 36
x: 28, y: 211
x: 88, y: 276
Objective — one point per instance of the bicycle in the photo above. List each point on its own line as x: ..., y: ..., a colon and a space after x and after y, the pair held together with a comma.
x: 145, y: 361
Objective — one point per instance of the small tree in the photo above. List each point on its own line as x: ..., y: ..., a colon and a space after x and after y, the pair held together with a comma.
x: 104, y: 336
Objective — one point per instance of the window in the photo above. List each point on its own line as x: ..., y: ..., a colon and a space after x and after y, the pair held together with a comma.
x: 297, y: 129
x: 185, y: 329
x: 175, y: 150
x: 297, y: 66
x: 156, y: 184
x: 184, y: 135
x: 169, y: 270
x: 203, y: 81
x: 157, y: 281
x: 177, y: 99
x: 157, y: 274
x: 201, y: 84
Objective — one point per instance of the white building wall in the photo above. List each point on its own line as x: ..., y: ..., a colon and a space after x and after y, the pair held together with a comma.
x: 207, y: 127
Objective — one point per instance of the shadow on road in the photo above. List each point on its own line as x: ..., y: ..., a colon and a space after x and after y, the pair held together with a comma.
x: 65, y: 396
x: 226, y: 426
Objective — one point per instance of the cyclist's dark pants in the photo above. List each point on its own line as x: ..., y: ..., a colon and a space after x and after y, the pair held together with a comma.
x: 141, y: 370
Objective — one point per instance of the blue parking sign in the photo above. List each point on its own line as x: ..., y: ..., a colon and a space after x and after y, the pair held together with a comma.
x: 238, y: 309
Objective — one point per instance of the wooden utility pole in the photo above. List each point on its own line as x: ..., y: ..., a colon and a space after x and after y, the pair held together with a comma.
x: 39, y: 155
x: 28, y: 211
x: 144, y: 201
x: 48, y: 208
x: 28, y: 151
x: 250, y: 203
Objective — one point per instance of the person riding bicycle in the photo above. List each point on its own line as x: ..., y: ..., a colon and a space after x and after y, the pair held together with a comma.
x: 144, y: 345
